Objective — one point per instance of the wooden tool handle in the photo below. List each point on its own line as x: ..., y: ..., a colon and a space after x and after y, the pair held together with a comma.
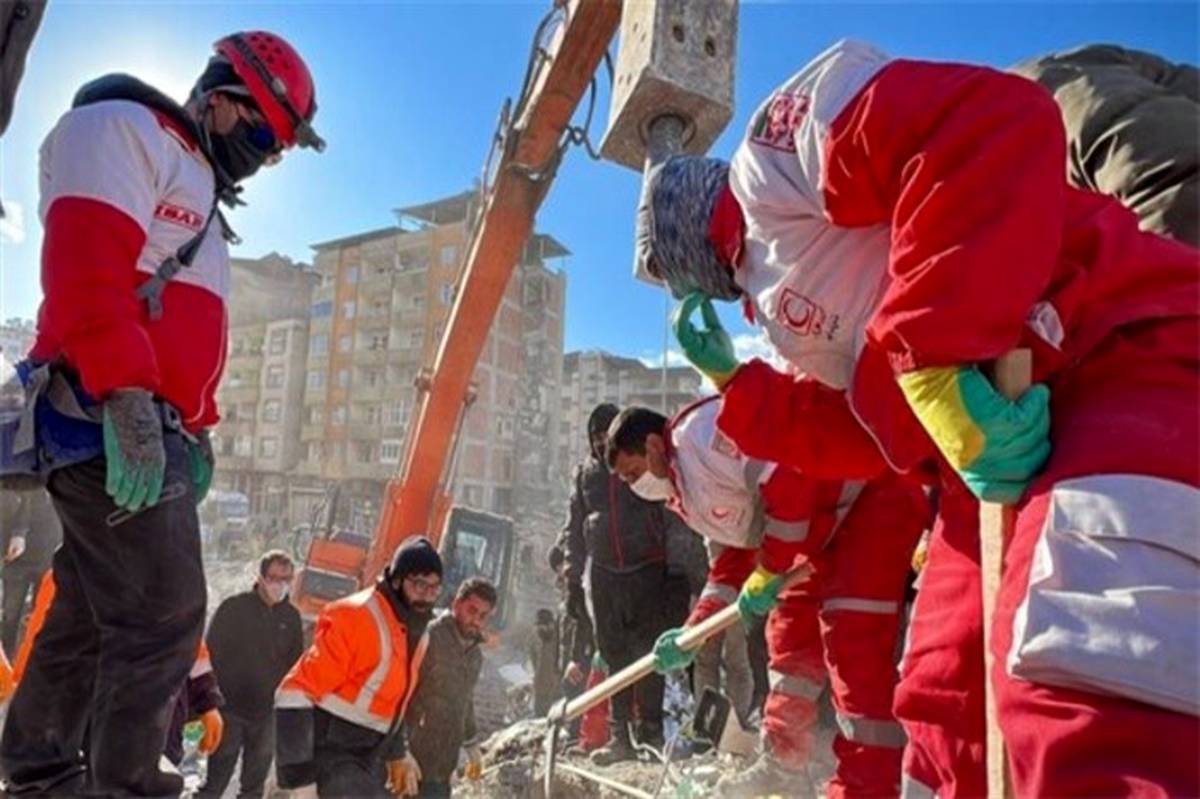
x: 1011, y: 375
x: 692, y: 638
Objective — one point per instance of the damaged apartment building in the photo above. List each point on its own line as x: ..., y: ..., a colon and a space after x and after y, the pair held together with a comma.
x: 324, y: 360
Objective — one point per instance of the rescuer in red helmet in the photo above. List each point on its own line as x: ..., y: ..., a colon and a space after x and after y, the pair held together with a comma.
x: 130, y: 348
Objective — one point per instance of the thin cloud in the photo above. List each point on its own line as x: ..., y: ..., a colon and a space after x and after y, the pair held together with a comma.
x: 12, y: 224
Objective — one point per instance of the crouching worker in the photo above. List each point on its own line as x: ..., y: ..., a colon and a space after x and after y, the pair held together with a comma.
x: 840, y: 622
x: 339, y: 711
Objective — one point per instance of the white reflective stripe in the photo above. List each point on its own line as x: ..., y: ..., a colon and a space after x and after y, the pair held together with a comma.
x: 794, y: 685
x: 850, y: 491
x: 352, y: 713
x: 414, y: 670
x: 375, y: 681
x: 200, y: 668
x: 861, y: 605
x: 756, y: 473
x: 726, y: 593
x: 872, y: 732
x: 786, y: 531
x: 911, y: 788
x: 292, y: 698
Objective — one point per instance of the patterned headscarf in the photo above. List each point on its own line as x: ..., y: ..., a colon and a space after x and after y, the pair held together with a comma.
x: 677, y: 203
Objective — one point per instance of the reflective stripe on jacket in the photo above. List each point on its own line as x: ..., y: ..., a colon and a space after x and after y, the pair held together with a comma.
x: 357, y: 667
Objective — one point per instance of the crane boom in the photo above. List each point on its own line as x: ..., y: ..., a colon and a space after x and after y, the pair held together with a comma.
x: 414, y: 499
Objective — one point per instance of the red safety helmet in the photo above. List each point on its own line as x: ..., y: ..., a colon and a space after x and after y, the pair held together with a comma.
x: 279, y: 83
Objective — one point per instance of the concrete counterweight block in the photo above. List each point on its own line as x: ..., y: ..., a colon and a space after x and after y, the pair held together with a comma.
x: 676, y: 58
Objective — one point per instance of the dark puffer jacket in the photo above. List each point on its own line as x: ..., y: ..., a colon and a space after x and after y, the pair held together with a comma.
x: 619, y: 530
x: 1133, y: 130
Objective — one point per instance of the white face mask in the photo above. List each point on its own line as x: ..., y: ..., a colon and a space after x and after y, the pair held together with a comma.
x: 652, y: 488
x: 277, y: 591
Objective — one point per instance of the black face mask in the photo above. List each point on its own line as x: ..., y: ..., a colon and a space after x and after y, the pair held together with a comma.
x: 236, y: 153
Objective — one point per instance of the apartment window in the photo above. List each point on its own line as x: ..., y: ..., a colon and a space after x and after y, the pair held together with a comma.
x: 345, y: 343
x: 389, y: 450
x: 277, y: 343
x: 275, y: 376
x: 272, y: 410
x: 379, y: 342
x: 449, y: 255
x: 348, y: 309
x: 417, y: 300
x: 504, y: 428
x: 343, y: 378
x: 447, y: 293
x: 352, y: 274
x: 243, y: 446
x: 416, y: 338
x: 268, y: 447
x: 397, y: 414
x: 502, y: 500
x: 338, y: 415
x: 231, y: 414
x: 316, y: 451
x: 322, y: 309
x: 364, y: 452
x: 371, y: 377
x: 374, y: 414
x: 318, y: 344
x: 316, y: 414
x: 316, y: 378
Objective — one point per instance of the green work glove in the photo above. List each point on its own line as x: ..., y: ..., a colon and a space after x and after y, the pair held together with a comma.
x: 668, y: 656
x: 709, y: 350
x: 759, y: 594
x: 200, y: 458
x: 996, y: 445
x: 133, y: 449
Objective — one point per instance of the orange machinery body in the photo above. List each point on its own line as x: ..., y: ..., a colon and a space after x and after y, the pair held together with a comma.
x: 415, y: 501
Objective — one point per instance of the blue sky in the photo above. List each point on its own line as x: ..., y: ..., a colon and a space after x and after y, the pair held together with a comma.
x: 409, y: 94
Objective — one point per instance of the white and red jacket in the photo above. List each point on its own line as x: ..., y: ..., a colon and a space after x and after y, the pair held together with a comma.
x: 759, y: 511
x: 122, y: 188
x: 903, y: 214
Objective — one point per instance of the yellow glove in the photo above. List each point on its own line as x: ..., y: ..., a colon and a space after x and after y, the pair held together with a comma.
x: 474, y: 768
x: 404, y: 776
x: 759, y: 594
x: 7, y: 684
x: 214, y: 728
x: 995, y: 444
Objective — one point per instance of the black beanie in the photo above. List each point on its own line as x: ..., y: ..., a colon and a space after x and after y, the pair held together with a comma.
x: 415, y: 556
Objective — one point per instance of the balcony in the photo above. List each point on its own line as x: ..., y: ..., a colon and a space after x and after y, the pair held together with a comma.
x: 369, y: 471
x: 365, y: 431
x: 235, y: 463
x: 245, y: 359
x: 408, y: 356
x: 375, y: 321
x: 370, y: 357
x: 364, y: 393
x: 312, y: 432
x: 236, y: 395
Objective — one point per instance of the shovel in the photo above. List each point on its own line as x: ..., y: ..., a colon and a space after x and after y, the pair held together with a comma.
x: 692, y: 638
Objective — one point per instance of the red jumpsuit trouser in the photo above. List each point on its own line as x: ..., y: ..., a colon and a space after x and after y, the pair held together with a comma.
x: 1127, y: 411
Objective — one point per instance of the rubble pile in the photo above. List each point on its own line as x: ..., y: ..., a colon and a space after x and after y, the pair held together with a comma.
x: 515, y: 762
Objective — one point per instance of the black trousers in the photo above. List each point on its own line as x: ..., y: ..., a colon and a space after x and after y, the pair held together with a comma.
x: 118, y: 642
x: 19, y: 581
x: 254, y: 741
x: 630, y: 610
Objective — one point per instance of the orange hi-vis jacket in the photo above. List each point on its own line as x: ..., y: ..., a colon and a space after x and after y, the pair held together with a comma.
x: 357, y: 667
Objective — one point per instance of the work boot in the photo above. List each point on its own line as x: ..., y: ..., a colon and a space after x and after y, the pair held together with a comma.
x: 619, y: 747
x: 766, y: 778
x: 650, y: 733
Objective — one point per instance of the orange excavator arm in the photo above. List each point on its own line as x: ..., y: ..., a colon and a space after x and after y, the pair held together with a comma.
x: 415, y: 501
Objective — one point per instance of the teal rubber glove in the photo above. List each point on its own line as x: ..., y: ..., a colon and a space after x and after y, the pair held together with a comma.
x: 759, y: 594
x: 200, y: 458
x: 133, y: 449
x: 668, y: 656
x: 996, y: 445
x: 709, y: 350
